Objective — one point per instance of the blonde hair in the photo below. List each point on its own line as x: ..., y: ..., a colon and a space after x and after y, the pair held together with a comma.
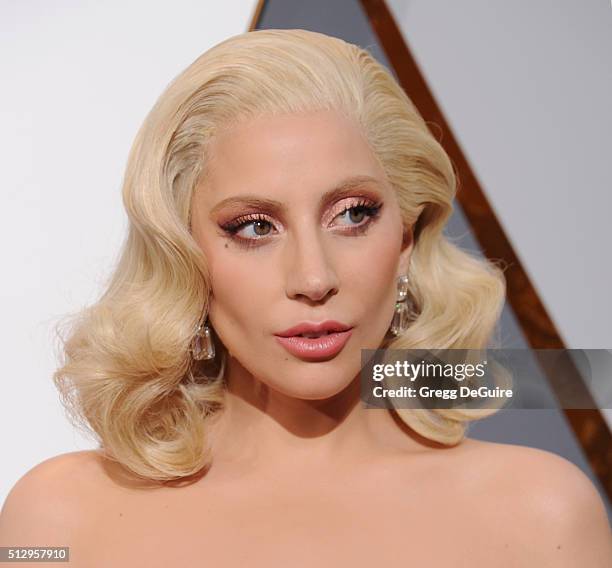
x: 127, y: 374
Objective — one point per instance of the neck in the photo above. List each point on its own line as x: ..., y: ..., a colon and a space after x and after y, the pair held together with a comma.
x: 261, y: 427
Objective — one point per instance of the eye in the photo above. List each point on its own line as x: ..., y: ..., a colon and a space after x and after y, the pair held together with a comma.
x: 248, y: 229
x: 260, y: 227
x: 357, y: 213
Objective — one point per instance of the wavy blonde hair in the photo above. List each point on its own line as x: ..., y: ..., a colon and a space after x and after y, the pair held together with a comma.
x: 127, y: 374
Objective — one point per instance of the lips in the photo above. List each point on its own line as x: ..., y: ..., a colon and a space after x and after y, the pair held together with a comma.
x: 327, y: 339
x: 314, y: 329
x: 317, y: 349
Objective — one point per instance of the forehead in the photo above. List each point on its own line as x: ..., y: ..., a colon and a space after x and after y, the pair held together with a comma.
x: 288, y: 156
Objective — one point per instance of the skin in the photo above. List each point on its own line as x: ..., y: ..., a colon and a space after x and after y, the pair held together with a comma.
x: 302, y: 475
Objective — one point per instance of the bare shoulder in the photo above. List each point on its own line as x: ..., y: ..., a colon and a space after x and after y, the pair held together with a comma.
x: 50, y: 502
x: 532, y: 472
x: 545, y: 502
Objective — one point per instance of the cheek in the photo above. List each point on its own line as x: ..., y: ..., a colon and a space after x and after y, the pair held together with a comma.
x: 372, y: 272
x: 241, y: 292
x: 372, y: 287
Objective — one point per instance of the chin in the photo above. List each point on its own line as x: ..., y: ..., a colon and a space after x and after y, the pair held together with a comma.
x: 316, y: 383
x: 312, y: 392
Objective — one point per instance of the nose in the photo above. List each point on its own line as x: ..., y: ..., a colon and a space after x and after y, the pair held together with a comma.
x: 310, y: 274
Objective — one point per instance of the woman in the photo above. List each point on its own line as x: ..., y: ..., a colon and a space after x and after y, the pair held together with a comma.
x: 282, y: 188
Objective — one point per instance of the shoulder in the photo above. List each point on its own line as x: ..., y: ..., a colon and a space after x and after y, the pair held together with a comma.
x: 50, y: 502
x: 531, y: 477
x: 531, y: 471
x: 545, y: 502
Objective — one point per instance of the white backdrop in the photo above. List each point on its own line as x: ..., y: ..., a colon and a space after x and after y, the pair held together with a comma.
x: 78, y: 78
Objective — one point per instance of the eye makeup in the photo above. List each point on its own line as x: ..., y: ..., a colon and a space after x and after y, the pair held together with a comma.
x: 366, y: 209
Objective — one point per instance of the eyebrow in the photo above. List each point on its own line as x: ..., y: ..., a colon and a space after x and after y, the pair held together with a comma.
x: 344, y: 188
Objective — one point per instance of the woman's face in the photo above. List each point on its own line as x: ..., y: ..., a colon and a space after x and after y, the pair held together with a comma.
x: 299, y: 224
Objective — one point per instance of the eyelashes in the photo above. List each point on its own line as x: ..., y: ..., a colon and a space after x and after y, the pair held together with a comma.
x: 367, y: 212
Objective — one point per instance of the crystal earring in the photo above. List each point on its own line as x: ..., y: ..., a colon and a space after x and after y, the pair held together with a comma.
x: 401, y: 313
x: 202, y: 346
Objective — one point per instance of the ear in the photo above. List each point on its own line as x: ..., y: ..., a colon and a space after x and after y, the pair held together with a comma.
x: 406, y: 251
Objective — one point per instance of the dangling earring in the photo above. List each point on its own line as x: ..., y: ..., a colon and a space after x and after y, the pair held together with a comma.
x: 400, y: 316
x: 202, y: 346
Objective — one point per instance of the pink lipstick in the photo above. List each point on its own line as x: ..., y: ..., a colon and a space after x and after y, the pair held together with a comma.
x: 314, y: 341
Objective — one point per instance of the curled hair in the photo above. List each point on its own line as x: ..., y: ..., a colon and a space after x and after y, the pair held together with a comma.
x: 127, y: 374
